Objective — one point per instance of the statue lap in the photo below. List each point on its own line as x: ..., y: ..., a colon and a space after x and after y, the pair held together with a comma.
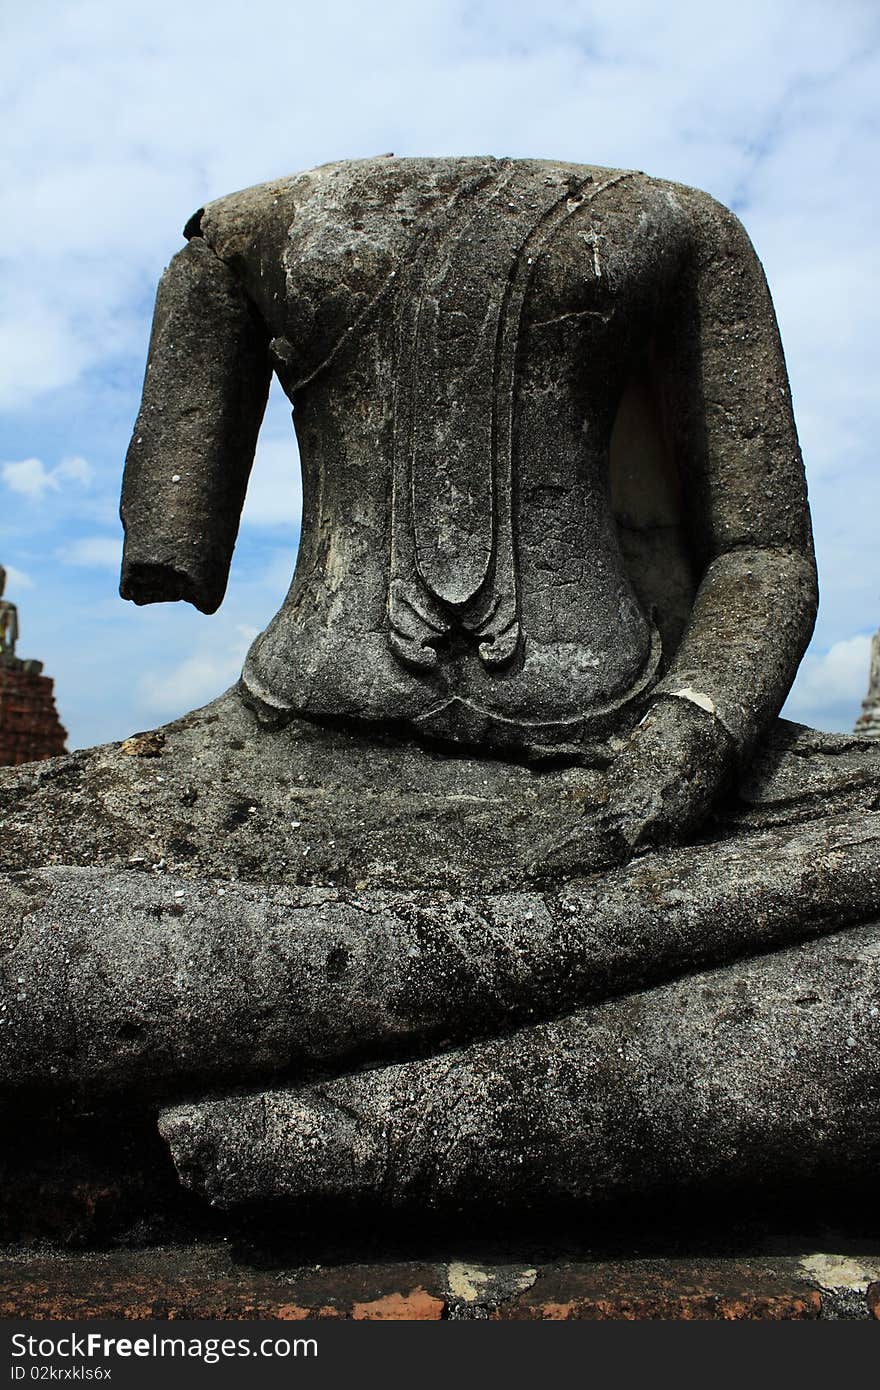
x: 372, y: 906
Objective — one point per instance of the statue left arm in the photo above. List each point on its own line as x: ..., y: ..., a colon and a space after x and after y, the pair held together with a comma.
x: 746, y: 501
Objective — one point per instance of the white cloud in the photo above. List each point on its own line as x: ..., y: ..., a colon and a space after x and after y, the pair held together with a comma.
x: 93, y: 552
x: 830, y: 686
x: 39, y: 351
x: 74, y: 469
x: 274, y: 496
x: 120, y: 119
x: 27, y: 476
x: 199, y: 677
x: 16, y: 579
x: 33, y: 479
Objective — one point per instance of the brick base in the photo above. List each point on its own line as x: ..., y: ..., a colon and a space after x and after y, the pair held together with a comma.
x: 209, y: 1281
x: 30, y: 729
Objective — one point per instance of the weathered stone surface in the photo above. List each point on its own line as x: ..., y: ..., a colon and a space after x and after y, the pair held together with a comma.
x: 213, y: 795
x: 727, y: 1290
x: 768, y: 1068
x: 555, y: 577
x: 120, y: 979
x: 208, y: 357
x: 206, y: 1282
x: 467, y: 343
x: 478, y: 1290
x: 844, y: 1281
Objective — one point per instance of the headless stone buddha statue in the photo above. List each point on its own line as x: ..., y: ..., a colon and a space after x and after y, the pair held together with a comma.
x: 509, y: 752
x: 456, y: 337
x: 8, y: 624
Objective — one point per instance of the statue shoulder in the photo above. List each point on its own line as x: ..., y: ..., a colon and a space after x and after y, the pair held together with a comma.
x: 714, y: 227
x: 236, y: 223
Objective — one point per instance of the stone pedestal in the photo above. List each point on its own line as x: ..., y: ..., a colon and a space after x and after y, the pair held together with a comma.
x: 29, y: 725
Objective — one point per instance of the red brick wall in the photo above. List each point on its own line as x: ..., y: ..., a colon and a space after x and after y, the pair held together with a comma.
x: 29, y: 725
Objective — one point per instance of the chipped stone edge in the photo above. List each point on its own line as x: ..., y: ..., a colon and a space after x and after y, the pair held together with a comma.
x: 833, y: 1273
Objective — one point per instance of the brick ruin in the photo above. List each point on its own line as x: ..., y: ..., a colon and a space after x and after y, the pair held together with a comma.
x: 29, y: 725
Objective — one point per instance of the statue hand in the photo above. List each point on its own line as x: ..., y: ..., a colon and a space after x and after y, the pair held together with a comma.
x: 665, y: 781
x: 661, y: 786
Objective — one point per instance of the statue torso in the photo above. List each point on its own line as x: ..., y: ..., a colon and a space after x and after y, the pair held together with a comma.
x: 455, y: 336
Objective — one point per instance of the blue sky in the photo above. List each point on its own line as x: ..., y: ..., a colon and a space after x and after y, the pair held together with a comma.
x: 120, y: 119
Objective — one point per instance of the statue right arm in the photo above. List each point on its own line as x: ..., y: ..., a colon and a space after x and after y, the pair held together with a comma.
x: 191, y: 453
